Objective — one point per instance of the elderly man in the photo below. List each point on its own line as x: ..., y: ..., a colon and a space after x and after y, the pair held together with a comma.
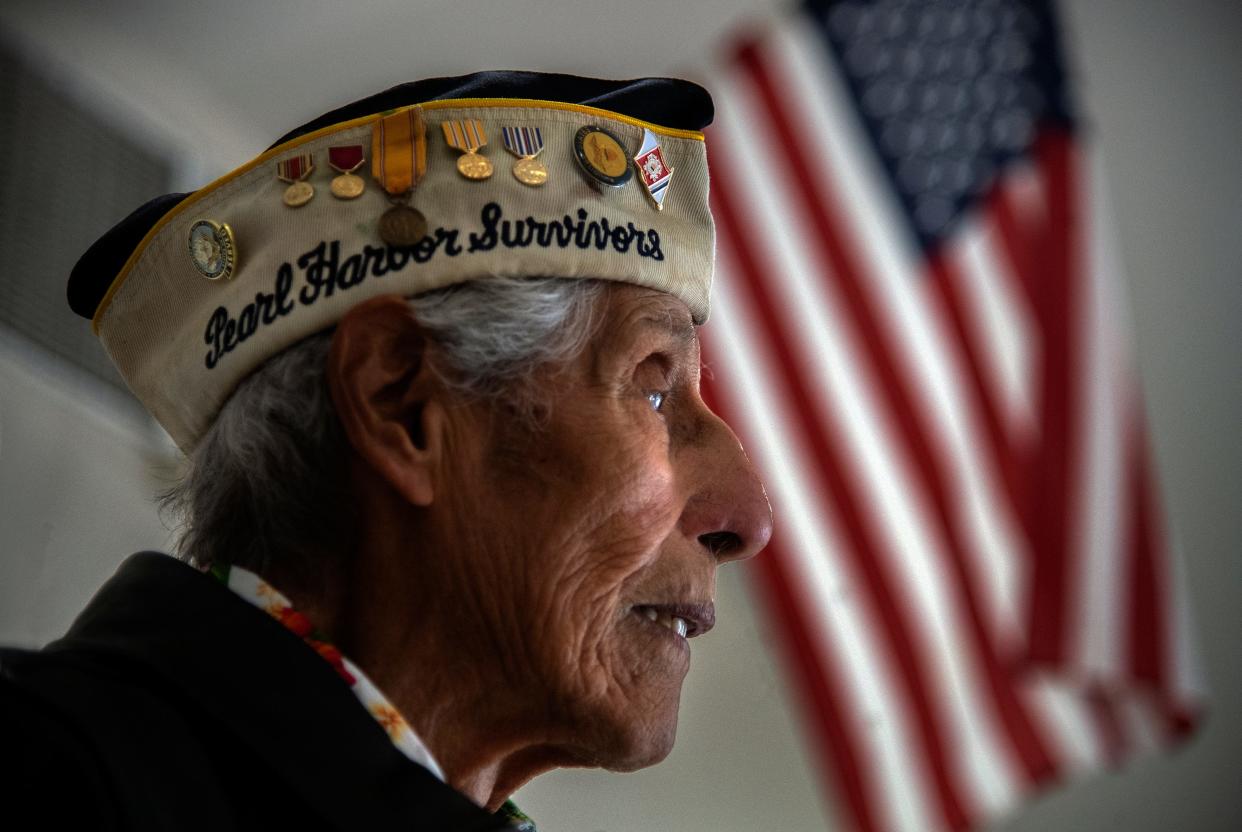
x: 454, y: 504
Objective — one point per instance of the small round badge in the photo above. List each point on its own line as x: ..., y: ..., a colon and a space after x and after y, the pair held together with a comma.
x: 602, y: 157
x: 212, y: 249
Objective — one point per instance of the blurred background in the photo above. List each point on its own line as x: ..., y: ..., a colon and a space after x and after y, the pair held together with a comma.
x: 107, y: 104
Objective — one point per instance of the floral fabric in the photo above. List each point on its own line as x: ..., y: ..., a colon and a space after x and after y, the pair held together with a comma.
x: 267, y: 598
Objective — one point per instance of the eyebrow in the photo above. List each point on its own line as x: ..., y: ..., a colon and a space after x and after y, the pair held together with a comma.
x: 678, y: 327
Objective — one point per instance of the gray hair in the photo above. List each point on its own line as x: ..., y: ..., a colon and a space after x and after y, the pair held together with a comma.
x: 267, y: 486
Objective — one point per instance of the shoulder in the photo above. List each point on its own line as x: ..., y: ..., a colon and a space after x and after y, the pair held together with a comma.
x: 108, y: 745
x: 96, y: 741
x: 60, y: 772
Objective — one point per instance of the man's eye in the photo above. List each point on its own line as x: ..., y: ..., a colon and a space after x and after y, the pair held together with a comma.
x: 657, y: 400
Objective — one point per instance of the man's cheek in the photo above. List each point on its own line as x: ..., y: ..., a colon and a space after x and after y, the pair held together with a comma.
x: 651, y: 504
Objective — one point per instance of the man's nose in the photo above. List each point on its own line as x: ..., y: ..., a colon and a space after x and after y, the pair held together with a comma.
x: 728, y: 511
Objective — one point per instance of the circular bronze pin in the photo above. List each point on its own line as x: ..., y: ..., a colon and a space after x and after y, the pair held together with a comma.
x: 602, y: 157
x: 347, y: 186
x: 298, y: 194
x: 213, y: 249
x: 473, y: 165
x: 402, y: 226
x: 530, y: 171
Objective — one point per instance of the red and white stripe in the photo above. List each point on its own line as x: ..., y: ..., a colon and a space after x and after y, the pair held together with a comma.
x: 968, y: 573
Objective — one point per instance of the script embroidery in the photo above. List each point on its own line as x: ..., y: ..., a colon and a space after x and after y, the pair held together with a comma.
x: 324, y: 272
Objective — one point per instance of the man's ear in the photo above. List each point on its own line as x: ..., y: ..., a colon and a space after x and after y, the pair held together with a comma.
x: 386, y: 395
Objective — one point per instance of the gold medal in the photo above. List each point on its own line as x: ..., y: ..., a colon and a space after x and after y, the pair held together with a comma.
x: 525, y: 143
x: 398, y: 163
x: 348, y: 186
x: 294, y: 171
x: 402, y: 226
x: 346, y: 159
x: 530, y: 171
x: 298, y: 194
x: 473, y: 165
x: 467, y: 135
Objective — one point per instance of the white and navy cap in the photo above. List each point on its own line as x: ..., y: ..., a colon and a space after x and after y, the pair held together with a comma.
x: 423, y: 186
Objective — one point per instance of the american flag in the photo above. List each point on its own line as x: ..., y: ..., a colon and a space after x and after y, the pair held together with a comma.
x: 920, y: 335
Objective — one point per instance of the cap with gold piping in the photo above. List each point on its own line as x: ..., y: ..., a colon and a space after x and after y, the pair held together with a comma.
x: 193, y: 291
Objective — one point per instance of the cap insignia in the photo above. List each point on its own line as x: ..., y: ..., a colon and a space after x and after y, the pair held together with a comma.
x: 212, y: 249
x: 602, y: 157
x: 653, y: 171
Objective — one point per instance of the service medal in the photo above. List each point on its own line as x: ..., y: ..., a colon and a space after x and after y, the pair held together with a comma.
x: 345, y: 159
x: 213, y: 250
x: 294, y: 171
x: 653, y: 171
x: 402, y: 226
x: 398, y: 163
x: 467, y: 135
x: 526, y: 143
x: 602, y: 157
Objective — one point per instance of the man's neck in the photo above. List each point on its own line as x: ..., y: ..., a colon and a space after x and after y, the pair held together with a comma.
x: 485, y: 739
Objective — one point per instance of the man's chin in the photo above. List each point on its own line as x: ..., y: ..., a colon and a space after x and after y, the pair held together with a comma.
x: 640, y: 744
x: 641, y: 761
x: 627, y: 730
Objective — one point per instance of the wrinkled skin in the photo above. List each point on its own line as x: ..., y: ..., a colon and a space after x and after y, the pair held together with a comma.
x: 493, y: 593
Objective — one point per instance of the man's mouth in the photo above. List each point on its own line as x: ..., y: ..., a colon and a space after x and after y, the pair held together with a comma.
x: 686, y: 620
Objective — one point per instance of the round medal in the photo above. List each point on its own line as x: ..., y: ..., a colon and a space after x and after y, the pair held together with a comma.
x: 473, y: 165
x: 402, y: 226
x: 345, y: 159
x: 530, y: 171
x: 298, y: 194
x: 602, y: 157
x: 212, y: 249
x: 347, y: 186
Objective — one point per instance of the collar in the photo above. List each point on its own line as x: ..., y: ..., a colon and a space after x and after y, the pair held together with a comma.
x: 261, y: 594
x: 257, y: 679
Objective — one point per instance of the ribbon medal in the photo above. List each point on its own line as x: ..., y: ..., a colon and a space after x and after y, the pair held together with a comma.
x: 294, y: 171
x: 398, y: 163
x: 652, y: 169
x: 526, y: 143
x: 467, y: 136
x: 345, y: 159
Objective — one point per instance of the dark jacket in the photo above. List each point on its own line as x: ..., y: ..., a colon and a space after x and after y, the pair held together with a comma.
x: 171, y: 703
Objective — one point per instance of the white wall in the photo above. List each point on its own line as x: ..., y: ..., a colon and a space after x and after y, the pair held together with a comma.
x: 78, y: 469
x: 215, y: 82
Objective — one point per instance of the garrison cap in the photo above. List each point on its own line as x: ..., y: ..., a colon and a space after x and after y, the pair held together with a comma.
x: 422, y: 186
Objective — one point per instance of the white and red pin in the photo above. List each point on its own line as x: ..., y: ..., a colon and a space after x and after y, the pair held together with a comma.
x: 652, y: 169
